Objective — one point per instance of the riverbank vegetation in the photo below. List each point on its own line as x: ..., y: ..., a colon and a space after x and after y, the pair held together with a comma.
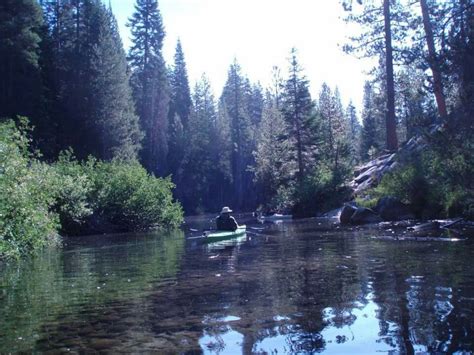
x: 435, y: 182
x: 38, y: 201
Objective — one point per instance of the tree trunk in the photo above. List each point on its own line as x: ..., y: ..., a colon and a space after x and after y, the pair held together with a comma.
x: 392, y: 142
x: 433, y: 61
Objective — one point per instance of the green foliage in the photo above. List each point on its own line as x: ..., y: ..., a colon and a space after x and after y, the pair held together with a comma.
x: 274, y: 159
x: 284, y: 199
x: 116, y: 131
x: 437, y: 182
x: 297, y: 109
x: 236, y: 111
x: 37, y: 200
x: 408, y: 184
x: 72, y: 188
x: 203, y: 176
x: 20, y: 28
x: 26, y: 199
x: 149, y: 83
x: 130, y: 198
x: 367, y: 202
x: 321, y: 191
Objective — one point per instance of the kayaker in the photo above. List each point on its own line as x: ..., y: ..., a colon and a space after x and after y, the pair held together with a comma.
x: 225, y: 222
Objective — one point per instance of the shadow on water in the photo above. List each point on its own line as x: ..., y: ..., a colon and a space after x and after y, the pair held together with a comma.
x: 293, y: 287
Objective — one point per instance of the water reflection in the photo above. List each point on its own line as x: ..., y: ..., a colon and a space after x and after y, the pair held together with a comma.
x: 92, y: 278
x: 295, y: 287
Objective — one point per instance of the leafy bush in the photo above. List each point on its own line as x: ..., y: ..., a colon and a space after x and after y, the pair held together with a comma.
x: 72, y: 188
x: 321, y: 191
x: 410, y: 185
x: 26, y: 199
x: 366, y: 201
x: 128, y: 197
x: 283, y: 201
x: 436, y: 182
x: 37, y: 200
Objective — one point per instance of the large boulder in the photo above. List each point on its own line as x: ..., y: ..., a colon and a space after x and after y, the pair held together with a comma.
x: 346, y: 213
x: 364, y: 216
x: 392, y: 209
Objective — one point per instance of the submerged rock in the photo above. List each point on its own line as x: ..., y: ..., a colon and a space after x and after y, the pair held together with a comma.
x: 428, y: 228
x: 364, y: 216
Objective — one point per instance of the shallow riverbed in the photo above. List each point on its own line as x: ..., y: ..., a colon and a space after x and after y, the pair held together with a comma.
x: 292, y: 287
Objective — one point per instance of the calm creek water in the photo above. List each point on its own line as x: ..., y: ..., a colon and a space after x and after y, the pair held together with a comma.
x: 293, y: 287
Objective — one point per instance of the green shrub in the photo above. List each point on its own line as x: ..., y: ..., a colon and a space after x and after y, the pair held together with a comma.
x: 321, y: 191
x: 366, y: 201
x: 26, y: 197
x: 283, y: 201
x: 37, y: 200
x: 436, y: 182
x: 410, y: 185
x: 72, y: 188
x: 127, y: 196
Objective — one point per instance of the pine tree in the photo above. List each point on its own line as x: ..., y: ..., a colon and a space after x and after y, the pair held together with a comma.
x: 150, y: 83
x: 416, y: 108
x: 353, y: 132
x: 201, y: 179
x: 115, y: 125
x: 333, y: 125
x: 275, y: 165
x: 377, y: 20
x: 88, y: 86
x: 458, y: 38
x: 297, y: 108
x: 180, y: 93
x: 433, y: 60
x: 234, y: 104
x: 21, y: 24
x: 369, y: 123
x: 179, y: 111
x: 72, y: 35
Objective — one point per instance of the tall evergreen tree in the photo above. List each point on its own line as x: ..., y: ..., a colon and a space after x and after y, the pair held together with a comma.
x: 57, y: 64
x: 369, y: 122
x: 433, y: 60
x: 88, y: 82
x: 297, y: 107
x: 458, y: 56
x: 180, y: 93
x: 275, y: 165
x: 379, y: 36
x: 21, y: 24
x: 179, y: 111
x: 333, y: 125
x: 150, y: 83
x: 416, y: 108
x: 234, y: 104
x: 115, y: 124
x: 72, y: 27
x: 202, y: 180
x: 353, y: 132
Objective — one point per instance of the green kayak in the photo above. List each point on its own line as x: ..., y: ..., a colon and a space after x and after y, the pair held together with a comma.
x: 223, y: 235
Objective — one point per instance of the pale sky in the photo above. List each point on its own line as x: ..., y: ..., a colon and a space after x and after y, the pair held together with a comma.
x: 260, y: 34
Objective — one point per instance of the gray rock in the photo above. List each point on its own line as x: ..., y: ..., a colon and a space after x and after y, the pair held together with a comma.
x: 426, y: 229
x: 346, y: 213
x: 392, y: 209
x: 364, y: 216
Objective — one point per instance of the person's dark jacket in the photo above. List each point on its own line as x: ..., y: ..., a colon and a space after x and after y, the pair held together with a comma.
x: 226, y: 223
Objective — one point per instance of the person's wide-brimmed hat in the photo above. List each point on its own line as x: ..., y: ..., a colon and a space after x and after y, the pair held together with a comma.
x: 226, y: 210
